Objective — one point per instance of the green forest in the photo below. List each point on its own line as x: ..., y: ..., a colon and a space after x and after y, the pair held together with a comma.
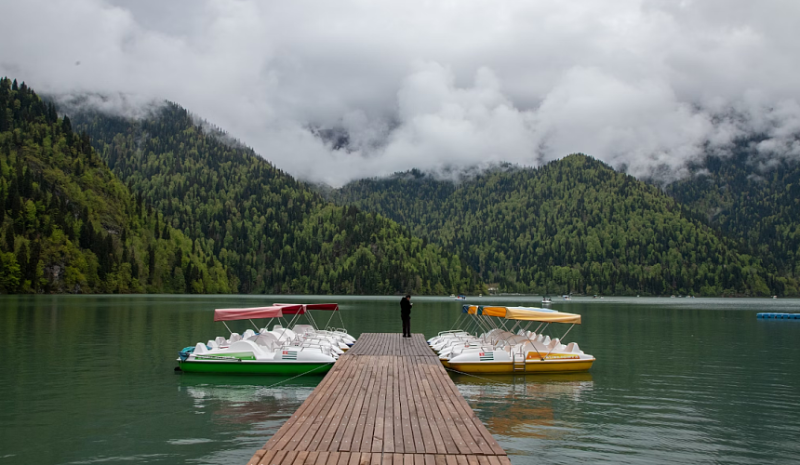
x: 572, y: 226
x: 754, y: 201
x: 272, y: 233
x: 95, y: 203
x: 67, y: 224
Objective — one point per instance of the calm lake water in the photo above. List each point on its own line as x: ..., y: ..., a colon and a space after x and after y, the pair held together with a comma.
x: 89, y: 380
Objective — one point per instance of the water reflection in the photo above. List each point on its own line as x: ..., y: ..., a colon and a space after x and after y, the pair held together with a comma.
x: 232, y: 400
x: 519, y: 406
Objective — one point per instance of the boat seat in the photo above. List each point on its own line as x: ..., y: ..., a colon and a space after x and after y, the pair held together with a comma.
x: 573, y: 348
x: 302, y: 329
x: 246, y: 346
x: 200, y: 348
x: 267, y: 340
x: 248, y: 334
x: 234, y: 338
x: 212, y: 344
x: 221, y: 340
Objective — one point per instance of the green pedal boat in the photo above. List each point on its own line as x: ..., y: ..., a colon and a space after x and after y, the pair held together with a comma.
x: 258, y: 353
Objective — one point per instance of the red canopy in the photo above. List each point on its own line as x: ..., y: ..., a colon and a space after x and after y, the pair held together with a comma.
x: 294, y: 309
x: 225, y: 314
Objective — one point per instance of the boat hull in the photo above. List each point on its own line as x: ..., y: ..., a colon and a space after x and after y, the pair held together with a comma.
x: 531, y: 366
x: 255, y: 368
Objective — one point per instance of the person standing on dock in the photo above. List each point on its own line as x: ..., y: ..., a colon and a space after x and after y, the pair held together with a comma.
x: 405, y: 314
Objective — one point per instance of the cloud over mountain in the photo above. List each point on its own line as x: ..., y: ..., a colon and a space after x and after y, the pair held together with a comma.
x: 648, y: 84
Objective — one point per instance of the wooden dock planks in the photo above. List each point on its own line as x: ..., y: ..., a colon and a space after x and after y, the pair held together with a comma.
x: 387, y: 401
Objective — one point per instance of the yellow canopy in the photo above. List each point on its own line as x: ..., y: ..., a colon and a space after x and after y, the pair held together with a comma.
x: 525, y: 314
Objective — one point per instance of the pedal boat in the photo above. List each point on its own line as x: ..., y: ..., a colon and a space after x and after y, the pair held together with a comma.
x: 261, y: 353
x: 522, y: 353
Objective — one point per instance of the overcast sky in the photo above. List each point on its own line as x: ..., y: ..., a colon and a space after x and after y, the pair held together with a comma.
x: 434, y: 84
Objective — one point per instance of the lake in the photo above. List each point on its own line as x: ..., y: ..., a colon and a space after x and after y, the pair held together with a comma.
x: 89, y: 380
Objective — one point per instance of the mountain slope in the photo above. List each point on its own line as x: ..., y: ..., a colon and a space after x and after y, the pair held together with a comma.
x: 69, y: 225
x: 574, y: 225
x: 272, y: 232
x: 756, y: 203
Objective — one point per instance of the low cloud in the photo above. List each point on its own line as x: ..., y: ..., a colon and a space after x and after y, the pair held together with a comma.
x: 332, y: 91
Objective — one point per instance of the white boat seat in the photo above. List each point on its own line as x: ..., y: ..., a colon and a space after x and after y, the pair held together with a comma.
x: 246, y: 346
x: 234, y: 338
x: 248, y: 334
x: 267, y: 340
x: 221, y: 340
x: 200, y: 348
x: 212, y: 344
x: 302, y: 329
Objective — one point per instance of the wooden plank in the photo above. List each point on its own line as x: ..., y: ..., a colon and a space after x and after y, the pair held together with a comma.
x: 344, y: 458
x: 356, y: 388
x: 388, y: 414
x: 368, y: 434
x: 338, y: 420
x: 361, y: 422
x: 460, y: 425
x: 421, y: 408
x: 305, y: 432
x: 256, y: 457
x: 352, y: 425
x: 380, y: 412
x: 405, y: 414
x: 450, y: 419
x: 299, y: 415
x: 414, y: 414
x: 442, y: 438
x: 397, y: 421
x: 267, y: 458
x: 301, y: 457
x: 323, y: 421
x: 435, y: 440
x: 482, y: 437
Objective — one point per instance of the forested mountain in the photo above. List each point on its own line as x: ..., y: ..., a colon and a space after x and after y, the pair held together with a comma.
x: 67, y: 224
x: 273, y: 234
x: 573, y: 225
x: 755, y: 202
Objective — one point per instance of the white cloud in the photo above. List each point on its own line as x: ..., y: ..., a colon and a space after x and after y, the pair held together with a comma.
x: 640, y: 83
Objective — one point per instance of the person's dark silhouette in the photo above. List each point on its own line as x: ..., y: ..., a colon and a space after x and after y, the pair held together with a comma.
x: 405, y: 314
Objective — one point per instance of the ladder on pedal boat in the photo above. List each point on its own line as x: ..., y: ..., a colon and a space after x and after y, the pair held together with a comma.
x: 517, y: 362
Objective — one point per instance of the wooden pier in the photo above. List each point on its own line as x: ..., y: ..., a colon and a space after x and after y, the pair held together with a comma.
x: 386, y: 401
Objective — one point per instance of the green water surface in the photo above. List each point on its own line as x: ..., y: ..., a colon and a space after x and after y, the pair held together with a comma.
x: 89, y: 380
